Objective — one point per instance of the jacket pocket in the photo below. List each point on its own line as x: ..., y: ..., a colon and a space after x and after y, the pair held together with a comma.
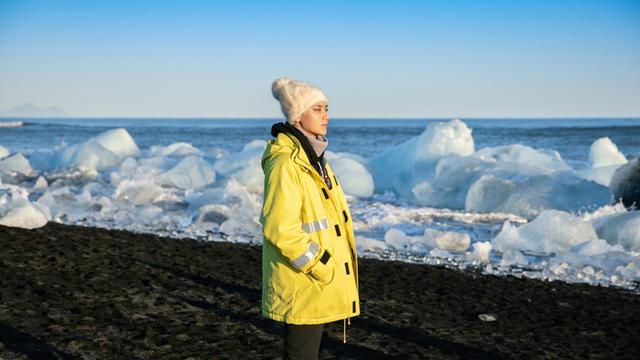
x: 323, y: 271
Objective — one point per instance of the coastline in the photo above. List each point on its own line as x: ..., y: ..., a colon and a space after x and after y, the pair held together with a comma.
x: 88, y: 293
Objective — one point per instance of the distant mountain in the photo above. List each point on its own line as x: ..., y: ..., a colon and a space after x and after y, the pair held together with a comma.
x: 30, y: 110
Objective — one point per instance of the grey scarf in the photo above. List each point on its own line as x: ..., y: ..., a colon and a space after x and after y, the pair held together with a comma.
x: 318, y: 142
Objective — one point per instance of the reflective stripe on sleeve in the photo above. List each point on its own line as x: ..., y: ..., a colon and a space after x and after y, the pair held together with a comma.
x: 316, y: 226
x: 308, y: 255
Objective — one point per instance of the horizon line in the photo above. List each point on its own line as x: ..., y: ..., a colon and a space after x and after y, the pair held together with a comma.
x: 593, y: 117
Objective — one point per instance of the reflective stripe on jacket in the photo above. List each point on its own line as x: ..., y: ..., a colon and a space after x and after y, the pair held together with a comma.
x: 309, y: 261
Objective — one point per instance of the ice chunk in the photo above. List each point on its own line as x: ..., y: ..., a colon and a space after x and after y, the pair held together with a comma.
x: 604, y: 158
x: 623, y: 229
x: 197, y: 200
x: 12, y: 196
x: 156, y: 163
x: 481, y: 251
x: 631, y: 270
x: 601, y: 175
x: 501, y: 179
x: 397, y: 239
x: 119, y: 142
x: 89, y: 157
x: 243, y: 224
x: 488, y: 194
x: 604, y: 152
x: 214, y: 213
x: 236, y: 161
x: 602, y: 214
x: 176, y: 149
x: 129, y: 165
x: 138, y: 192
x: 512, y: 257
x: 192, y: 172
x: 364, y: 243
x: 438, y: 140
x: 4, y: 152
x: 244, y: 166
x: 521, y: 160
x: 67, y: 205
x: 107, y: 149
x: 551, y: 232
x: 40, y: 185
x: 354, y: 177
x: 529, y: 196
x: 451, y: 241
x: 445, y: 138
x: 251, y: 176
x: 47, y: 199
x: 17, y: 211
x: 16, y: 163
x: 26, y: 217
x: 606, y: 262
x: 513, y: 178
x: 594, y: 247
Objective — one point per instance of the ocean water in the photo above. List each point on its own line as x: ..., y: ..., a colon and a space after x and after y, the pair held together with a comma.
x: 151, y: 193
x: 365, y: 137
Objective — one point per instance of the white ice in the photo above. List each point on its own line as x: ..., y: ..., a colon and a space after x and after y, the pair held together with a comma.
x: 354, y: 177
x: 604, y: 158
x: 17, y: 211
x: 440, y: 168
x: 451, y: 241
x: 175, y: 149
x: 622, y: 229
x: 244, y: 166
x: 16, y: 164
x: 99, y: 153
x: 192, y: 172
x: 552, y: 231
x: 481, y: 251
x: 4, y: 152
x: 364, y: 243
x: 415, y: 158
x: 119, y: 142
x: 431, y: 239
x: 604, y: 152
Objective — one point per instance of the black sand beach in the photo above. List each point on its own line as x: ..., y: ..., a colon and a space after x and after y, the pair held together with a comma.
x: 70, y: 292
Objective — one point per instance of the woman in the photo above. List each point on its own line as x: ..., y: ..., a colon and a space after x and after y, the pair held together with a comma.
x: 309, y: 262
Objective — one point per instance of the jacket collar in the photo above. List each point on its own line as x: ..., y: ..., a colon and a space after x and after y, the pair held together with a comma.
x: 303, y: 140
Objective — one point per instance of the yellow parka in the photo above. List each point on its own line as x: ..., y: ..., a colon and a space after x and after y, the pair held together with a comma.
x: 309, y: 262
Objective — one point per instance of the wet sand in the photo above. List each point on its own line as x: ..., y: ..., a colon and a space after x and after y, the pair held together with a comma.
x: 70, y: 292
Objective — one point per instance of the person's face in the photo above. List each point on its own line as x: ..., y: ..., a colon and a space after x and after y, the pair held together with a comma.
x: 315, y: 119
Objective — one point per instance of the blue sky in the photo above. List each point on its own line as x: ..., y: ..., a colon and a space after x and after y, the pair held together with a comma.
x: 405, y: 59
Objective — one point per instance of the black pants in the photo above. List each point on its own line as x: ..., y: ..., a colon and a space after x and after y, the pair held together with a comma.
x: 302, y: 342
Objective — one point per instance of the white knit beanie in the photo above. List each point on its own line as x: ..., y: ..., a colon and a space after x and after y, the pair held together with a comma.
x: 295, y: 97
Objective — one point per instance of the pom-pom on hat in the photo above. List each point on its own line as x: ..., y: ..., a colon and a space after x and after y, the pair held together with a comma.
x: 295, y: 97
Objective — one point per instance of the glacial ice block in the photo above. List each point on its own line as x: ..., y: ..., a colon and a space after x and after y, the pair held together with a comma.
x: 552, y: 231
x: 623, y: 229
x: 192, y: 172
x: 4, y: 152
x: 353, y: 176
x: 25, y: 217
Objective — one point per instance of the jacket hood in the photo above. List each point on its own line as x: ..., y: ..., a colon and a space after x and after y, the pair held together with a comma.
x: 302, y: 138
x: 282, y: 144
x: 286, y: 136
x: 287, y: 144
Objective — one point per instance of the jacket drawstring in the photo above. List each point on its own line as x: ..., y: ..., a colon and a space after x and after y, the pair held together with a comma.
x: 344, y: 329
